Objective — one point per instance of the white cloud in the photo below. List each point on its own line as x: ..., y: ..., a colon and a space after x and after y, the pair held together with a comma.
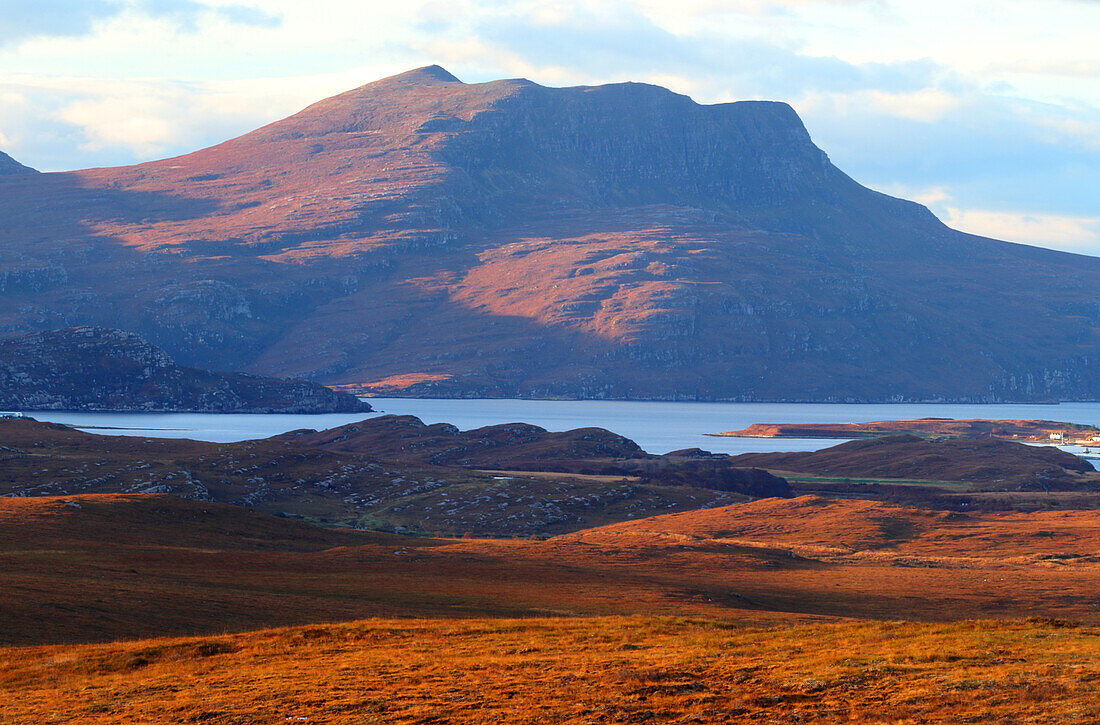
x: 142, y: 125
x: 1068, y: 233
x: 927, y: 104
x: 1085, y: 132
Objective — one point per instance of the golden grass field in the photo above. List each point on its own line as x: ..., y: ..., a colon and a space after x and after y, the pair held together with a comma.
x: 571, y: 670
x: 772, y: 611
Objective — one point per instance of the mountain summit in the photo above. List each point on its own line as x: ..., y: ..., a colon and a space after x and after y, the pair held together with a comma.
x: 423, y: 235
x: 8, y: 165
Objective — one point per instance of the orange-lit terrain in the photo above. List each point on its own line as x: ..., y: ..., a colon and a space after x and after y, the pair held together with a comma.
x: 781, y: 608
x: 104, y: 567
x: 575, y: 670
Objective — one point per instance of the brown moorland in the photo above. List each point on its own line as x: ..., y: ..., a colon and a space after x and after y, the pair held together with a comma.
x: 127, y: 575
x: 581, y: 670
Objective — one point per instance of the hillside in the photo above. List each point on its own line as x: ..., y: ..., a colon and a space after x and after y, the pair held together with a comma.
x: 521, y: 447
x: 989, y: 464
x: 289, y: 478
x: 94, y: 368
x: 421, y: 235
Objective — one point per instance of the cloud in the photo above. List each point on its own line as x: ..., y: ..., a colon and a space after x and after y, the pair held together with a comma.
x: 578, y: 43
x: 145, y: 125
x: 20, y: 21
x: 1058, y: 67
x: 71, y: 122
x: 1068, y: 233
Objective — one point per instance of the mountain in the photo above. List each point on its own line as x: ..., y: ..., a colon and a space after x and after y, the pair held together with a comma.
x: 94, y: 368
x: 8, y: 165
x: 419, y: 235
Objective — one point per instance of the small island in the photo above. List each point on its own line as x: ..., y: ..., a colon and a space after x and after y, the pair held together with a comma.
x: 1026, y: 431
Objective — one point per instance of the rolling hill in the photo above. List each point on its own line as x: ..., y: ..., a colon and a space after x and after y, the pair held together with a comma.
x: 287, y: 477
x: 420, y: 235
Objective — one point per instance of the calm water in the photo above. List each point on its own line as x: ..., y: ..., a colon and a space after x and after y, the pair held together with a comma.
x: 657, y: 427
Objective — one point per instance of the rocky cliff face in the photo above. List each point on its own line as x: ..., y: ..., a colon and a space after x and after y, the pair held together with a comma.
x: 92, y: 368
x: 420, y: 235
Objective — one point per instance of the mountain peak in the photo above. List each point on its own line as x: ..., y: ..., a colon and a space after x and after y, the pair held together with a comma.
x: 428, y: 75
x: 8, y: 165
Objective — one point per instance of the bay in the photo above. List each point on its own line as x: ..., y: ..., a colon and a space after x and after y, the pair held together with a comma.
x: 658, y: 427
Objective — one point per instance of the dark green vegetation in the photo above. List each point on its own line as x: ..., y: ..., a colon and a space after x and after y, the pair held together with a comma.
x: 421, y: 235
x: 93, y: 368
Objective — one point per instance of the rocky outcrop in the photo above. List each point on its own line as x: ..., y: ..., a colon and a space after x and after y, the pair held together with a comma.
x: 420, y: 235
x: 94, y: 368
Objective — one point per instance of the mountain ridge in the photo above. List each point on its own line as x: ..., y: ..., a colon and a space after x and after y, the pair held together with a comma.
x: 8, y: 165
x: 420, y: 235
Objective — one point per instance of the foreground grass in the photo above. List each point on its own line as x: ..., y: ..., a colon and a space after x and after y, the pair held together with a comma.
x: 580, y: 670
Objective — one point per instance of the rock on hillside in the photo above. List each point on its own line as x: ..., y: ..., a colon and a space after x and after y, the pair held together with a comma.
x: 94, y: 368
x: 420, y: 235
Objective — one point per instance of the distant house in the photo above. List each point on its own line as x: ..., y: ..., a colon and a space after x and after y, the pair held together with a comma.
x: 10, y: 414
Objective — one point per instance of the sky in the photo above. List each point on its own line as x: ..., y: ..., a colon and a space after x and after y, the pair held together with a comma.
x: 988, y: 113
